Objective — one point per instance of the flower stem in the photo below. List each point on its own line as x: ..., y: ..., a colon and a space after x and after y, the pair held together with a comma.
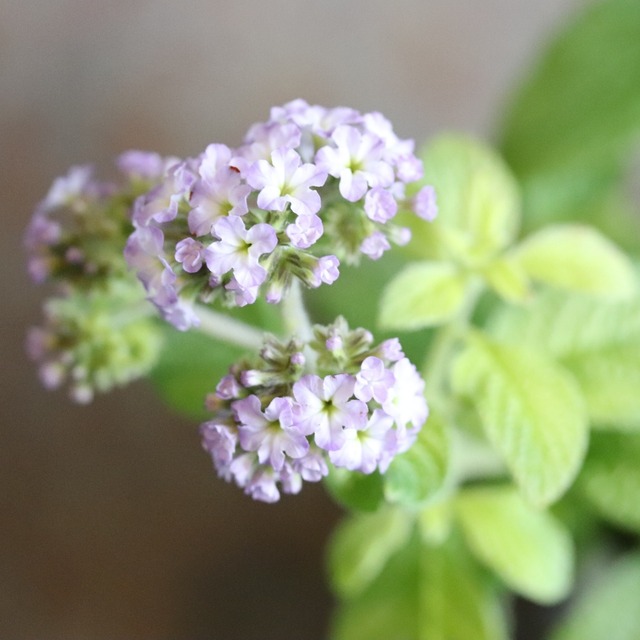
x: 221, y: 327
x: 437, y: 362
x: 294, y: 314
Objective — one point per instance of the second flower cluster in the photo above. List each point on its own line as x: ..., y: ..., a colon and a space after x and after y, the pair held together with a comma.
x: 275, y: 424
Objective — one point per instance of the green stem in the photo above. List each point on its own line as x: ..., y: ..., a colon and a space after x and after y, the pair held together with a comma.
x: 294, y: 314
x: 438, y: 360
x: 221, y: 327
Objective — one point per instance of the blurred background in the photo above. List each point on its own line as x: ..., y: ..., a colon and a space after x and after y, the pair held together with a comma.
x: 113, y: 524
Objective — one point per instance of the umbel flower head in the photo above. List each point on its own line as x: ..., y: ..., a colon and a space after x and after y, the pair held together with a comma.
x: 299, y: 408
x: 307, y: 189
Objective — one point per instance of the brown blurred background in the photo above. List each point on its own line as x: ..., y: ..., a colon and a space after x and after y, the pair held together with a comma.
x: 113, y: 524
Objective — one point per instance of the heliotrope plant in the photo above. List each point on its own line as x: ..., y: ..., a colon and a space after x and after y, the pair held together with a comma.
x: 490, y: 479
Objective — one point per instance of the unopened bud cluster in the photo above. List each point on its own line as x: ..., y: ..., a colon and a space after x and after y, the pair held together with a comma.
x: 94, y: 341
x: 338, y: 400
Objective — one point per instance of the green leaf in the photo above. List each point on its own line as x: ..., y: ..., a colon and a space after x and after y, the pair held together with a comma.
x: 424, y: 593
x: 576, y: 117
x: 355, y: 491
x: 361, y: 546
x: 424, y: 294
x: 478, y: 201
x: 532, y: 412
x: 417, y: 475
x: 608, y: 608
x: 578, y: 258
x: 190, y: 366
x: 597, y: 341
x: 529, y: 549
x: 508, y: 279
x: 611, y: 478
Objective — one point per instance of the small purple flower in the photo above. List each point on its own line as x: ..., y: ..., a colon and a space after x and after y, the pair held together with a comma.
x: 326, y: 270
x: 220, y: 441
x: 405, y: 402
x: 228, y: 388
x: 375, y: 245
x: 356, y: 160
x: 216, y: 157
x: 239, y: 250
x: 66, y: 188
x: 161, y: 203
x: 364, y: 447
x: 287, y: 181
x: 262, y: 485
x: 264, y: 138
x: 324, y: 407
x: 312, y: 466
x: 143, y: 165
x: 290, y: 480
x: 424, y: 203
x: 305, y: 231
x: 373, y: 381
x: 190, y: 253
x: 391, y: 350
x: 270, y: 433
x: 380, y: 205
x: 213, y: 198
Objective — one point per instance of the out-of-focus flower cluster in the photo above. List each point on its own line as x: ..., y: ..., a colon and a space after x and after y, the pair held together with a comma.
x: 308, y: 188
x: 94, y: 342
x: 98, y: 330
x: 338, y: 400
x: 77, y: 233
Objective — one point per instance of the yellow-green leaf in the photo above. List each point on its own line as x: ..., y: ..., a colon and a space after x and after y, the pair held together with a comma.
x: 598, y: 341
x: 609, y: 606
x: 424, y: 294
x: 416, y: 476
x: 478, y: 201
x: 425, y: 593
x: 508, y: 279
x: 611, y: 478
x: 361, y: 546
x: 578, y: 258
x: 531, y: 411
x: 528, y: 548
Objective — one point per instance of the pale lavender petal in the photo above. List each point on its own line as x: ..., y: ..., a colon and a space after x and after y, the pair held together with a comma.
x: 380, y: 205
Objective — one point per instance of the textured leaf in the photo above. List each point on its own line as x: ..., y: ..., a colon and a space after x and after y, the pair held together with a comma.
x: 478, y: 201
x: 609, y: 608
x: 578, y: 258
x: 361, y: 546
x: 424, y: 593
x: 532, y: 412
x: 611, y: 478
x: 599, y: 342
x: 416, y: 476
x: 424, y: 294
x: 576, y: 117
x: 529, y: 549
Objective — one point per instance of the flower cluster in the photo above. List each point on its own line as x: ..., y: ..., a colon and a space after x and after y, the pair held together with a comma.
x: 97, y: 331
x: 307, y: 189
x: 338, y: 400
x: 77, y: 233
